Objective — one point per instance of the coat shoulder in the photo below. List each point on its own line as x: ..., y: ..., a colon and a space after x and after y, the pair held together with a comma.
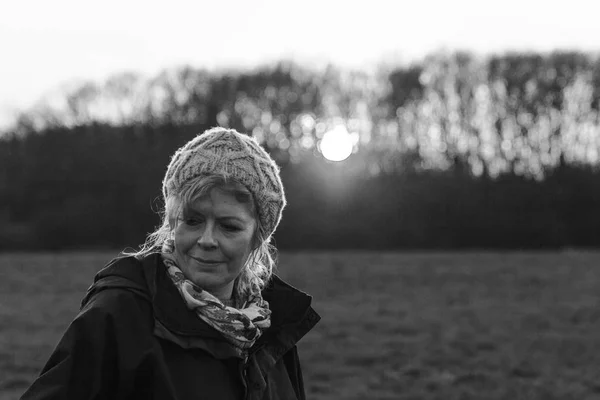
x: 116, y: 305
x: 121, y: 275
x: 118, y: 291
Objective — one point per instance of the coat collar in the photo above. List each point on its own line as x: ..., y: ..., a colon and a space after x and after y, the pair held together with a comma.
x: 291, y: 313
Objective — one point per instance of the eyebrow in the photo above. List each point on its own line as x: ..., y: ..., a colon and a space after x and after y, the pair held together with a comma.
x: 232, y: 218
x: 191, y: 210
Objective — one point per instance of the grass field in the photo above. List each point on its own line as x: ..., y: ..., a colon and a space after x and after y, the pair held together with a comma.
x: 395, y: 326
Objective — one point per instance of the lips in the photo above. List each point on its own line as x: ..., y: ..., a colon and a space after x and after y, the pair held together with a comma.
x: 205, y: 261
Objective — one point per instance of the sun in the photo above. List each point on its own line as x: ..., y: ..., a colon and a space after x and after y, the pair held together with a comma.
x: 336, y: 144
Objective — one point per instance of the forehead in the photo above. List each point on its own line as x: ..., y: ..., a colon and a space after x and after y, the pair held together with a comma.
x: 222, y: 202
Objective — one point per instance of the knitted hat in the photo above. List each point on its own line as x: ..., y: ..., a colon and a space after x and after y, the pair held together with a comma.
x: 228, y: 153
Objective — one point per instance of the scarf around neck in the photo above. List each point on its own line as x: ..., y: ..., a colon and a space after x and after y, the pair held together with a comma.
x: 240, y: 327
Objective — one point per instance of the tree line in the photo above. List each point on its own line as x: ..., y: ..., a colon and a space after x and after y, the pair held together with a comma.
x: 454, y: 151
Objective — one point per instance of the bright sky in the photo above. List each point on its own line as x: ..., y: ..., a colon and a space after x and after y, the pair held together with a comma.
x: 44, y: 44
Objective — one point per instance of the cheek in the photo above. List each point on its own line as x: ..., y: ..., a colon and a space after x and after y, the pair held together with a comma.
x: 237, y: 249
x: 183, y: 240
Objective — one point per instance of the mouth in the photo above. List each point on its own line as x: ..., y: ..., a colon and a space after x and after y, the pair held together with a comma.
x: 203, y: 261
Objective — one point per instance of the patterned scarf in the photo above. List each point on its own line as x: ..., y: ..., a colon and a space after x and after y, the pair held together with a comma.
x: 241, y: 327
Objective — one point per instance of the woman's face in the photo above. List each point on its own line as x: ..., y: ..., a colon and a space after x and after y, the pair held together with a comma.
x: 213, y: 239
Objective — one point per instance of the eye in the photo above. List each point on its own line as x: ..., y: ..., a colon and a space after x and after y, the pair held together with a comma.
x: 192, y: 221
x: 231, y: 228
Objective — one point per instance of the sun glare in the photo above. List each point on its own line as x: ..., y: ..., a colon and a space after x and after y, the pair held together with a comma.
x: 336, y: 144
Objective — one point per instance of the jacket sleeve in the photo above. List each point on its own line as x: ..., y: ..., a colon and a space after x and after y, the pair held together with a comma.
x: 292, y: 364
x: 98, y: 352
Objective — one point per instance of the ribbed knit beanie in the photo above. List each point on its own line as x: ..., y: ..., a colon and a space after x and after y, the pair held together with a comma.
x: 232, y: 155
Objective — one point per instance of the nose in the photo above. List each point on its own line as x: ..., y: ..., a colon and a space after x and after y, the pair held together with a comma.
x: 207, y: 238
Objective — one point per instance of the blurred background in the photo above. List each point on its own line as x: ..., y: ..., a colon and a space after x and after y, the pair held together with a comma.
x: 449, y: 125
x: 440, y: 159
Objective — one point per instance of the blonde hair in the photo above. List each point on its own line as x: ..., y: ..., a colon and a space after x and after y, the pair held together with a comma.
x: 261, y: 261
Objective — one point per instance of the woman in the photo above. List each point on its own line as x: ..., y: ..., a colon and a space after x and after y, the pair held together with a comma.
x: 197, y: 313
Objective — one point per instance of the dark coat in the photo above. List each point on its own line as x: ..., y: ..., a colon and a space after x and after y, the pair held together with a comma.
x: 134, y: 338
